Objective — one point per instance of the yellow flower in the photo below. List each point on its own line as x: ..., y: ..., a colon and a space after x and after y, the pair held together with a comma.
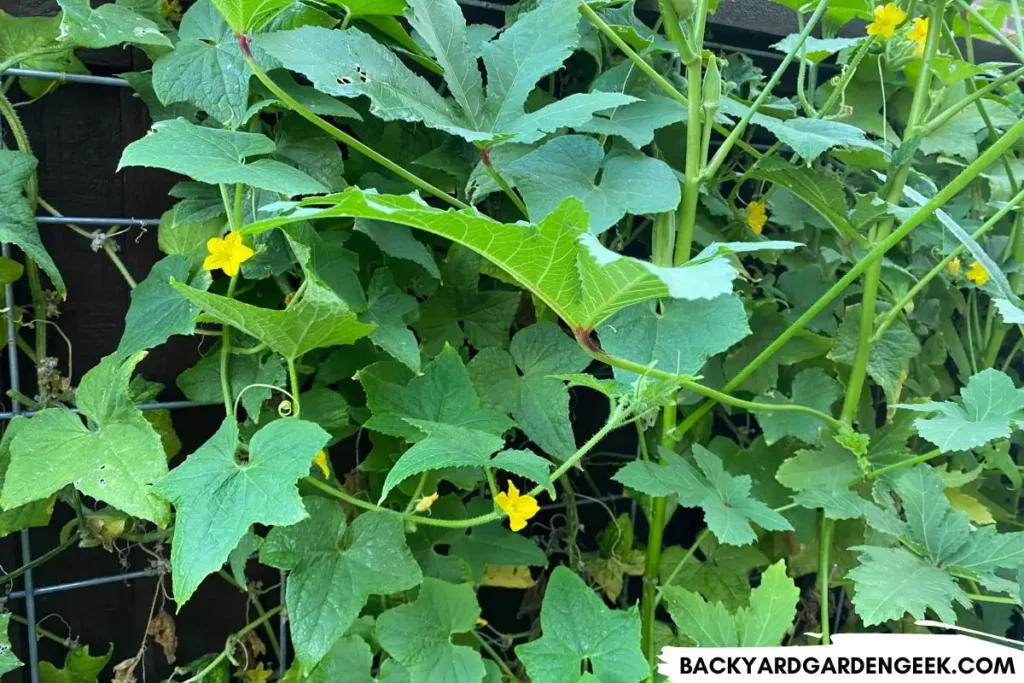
x: 227, y: 253
x: 954, y: 267
x: 919, y: 34
x: 171, y: 9
x: 518, y: 508
x: 977, y: 274
x: 887, y: 18
x: 757, y: 216
x: 321, y: 461
x: 423, y: 504
x: 259, y: 674
x: 481, y: 622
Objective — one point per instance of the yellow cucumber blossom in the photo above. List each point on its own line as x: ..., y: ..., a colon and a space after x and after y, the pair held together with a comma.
x: 321, y: 461
x: 519, y: 508
x: 919, y: 34
x: 423, y: 504
x: 227, y: 254
x: 887, y: 18
x: 757, y: 216
x: 171, y: 9
x: 954, y: 267
x: 260, y: 674
x: 977, y: 274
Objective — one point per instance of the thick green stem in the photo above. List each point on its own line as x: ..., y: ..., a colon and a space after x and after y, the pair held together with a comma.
x: 824, y: 570
x: 341, y: 135
x: 652, y: 559
x: 293, y: 379
x: 692, y: 176
x: 225, y: 355
x: 972, y: 171
x: 992, y: 30
x: 505, y: 187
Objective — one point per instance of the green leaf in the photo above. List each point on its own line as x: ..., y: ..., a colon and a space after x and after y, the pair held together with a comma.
x: 526, y: 464
x: 364, y: 8
x: 311, y: 150
x: 116, y: 460
x: 79, y: 667
x: 815, y: 50
x: 334, y: 568
x: 350, y: 659
x: 892, y: 582
x: 201, y: 382
x: 890, y: 356
x: 8, y: 661
x: 538, y: 402
x: 442, y: 394
x: 239, y: 557
x: 419, y: 635
x: 568, y: 166
x: 557, y: 260
x: 107, y: 25
x: 179, y: 235
x: 217, y: 497
x: 729, y: 510
x: 956, y: 137
x: 819, y: 191
x: 808, y: 468
x: 34, y: 514
x: 17, y: 220
x: 206, y: 67
x: 837, y: 503
x: 812, y: 388
x: 494, y: 544
x: 212, y: 155
x: 989, y: 408
x: 763, y: 624
x: 245, y: 16
x: 680, y: 339
x: 389, y: 308
x: 158, y: 311
x: 318, y: 319
x: 636, y: 122
x: 350, y: 63
x: 578, y: 629
x: 22, y: 35
x: 811, y: 137
x: 723, y: 576
x: 397, y: 241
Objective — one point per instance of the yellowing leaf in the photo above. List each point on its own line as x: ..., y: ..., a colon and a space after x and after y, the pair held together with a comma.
x: 507, y: 577
x: 975, y: 509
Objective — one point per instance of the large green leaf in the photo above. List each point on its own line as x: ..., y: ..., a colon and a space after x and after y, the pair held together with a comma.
x: 36, y: 513
x: 350, y: 659
x: 520, y: 382
x: 558, y: 260
x: 158, y: 311
x: 389, y: 308
x: 17, y: 220
x: 217, y: 496
x: 249, y: 15
x: 816, y: 49
x: 990, y: 407
x: 419, y: 635
x: 115, y: 460
x: 334, y: 568
x: 8, y: 661
x: 106, y: 26
x: 811, y: 137
x: 212, y: 155
x: 21, y: 36
x: 763, y: 623
x: 494, y: 544
x: 79, y: 667
x: 318, y: 319
x: 729, y: 509
x: 569, y: 165
x: 350, y: 63
x: 578, y: 629
x: 890, y: 356
x: 722, y: 576
x: 678, y: 337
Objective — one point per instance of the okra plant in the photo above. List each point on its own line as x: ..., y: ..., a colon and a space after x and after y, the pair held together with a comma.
x: 415, y: 242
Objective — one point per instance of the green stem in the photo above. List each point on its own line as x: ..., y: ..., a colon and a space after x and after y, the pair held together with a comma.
x: 972, y: 171
x: 49, y: 635
x: 275, y: 644
x: 737, y: 131
x: 418, y: 493
x: 662, y: 238
x: 496, y: 657
x: 293, y: 379
x: 225, y: 355
x: 992, y: 598
x: 898, y: 307
x: 506, y: 188
x: 41, y: 560
x: 943, y: 118
x: 341, y: 135
x: 824, y: 571
x: 652, y: 558
x: 701, y: 537
x: 232, y: 640
x: 875, y: 474
x: 992, y: 30
x: 692, y: 177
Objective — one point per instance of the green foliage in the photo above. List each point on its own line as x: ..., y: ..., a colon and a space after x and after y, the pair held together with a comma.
x: 463, y: 247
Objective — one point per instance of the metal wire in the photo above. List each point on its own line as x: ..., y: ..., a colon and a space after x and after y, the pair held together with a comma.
x: 86, y: 583
x: 164, y: 405
x: 101, y: 222
x: 68, y: 78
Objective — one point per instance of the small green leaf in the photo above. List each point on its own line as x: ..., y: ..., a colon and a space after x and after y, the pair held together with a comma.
x: 811, y: 137
x: 158, y: 311
x: 239, y: 557
x: 419, y: 635
x: 350, y: 659
x: 115, y: 461
x: 79, y: 667
x: 244, y: 16
x: 397, y: 241
x: 812, y: 388
x: 201, y: 382
x: 763, y: 624
x: 389, y: 308
x: 989, y: 408
x: 538, y: 402
x: 837, y: 503
x: 890, y: 356
x: 494, y: 544
x: 729, y: 510
x: 816, y: 49
x: 107, y: 25
x: 36, y: 513
x: 526, y: 464
x: 8, y: 661
x: 259, y: 490
x: 21, y: 36
x: 367, y: 8
x: 179, y: 235
x: 212, y: 155
x: 17, y: 220
x: 578, y: 629
x: 334, y: 568
x: 569, y: 165
x: 722, y: 576
x: 832, y: 463
x: 318, y: 319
